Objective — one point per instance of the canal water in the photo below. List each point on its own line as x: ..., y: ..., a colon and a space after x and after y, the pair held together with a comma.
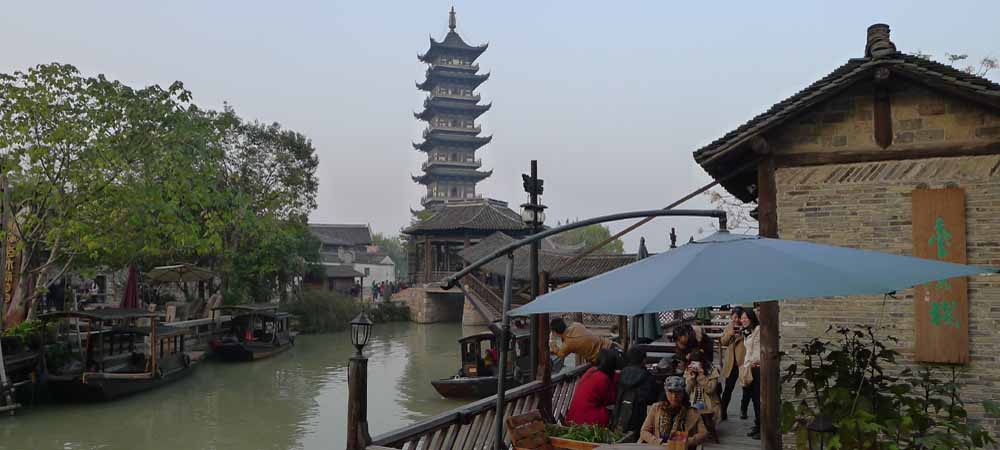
x: 296, y: 400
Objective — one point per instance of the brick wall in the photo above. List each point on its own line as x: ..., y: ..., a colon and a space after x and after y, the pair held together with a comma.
x: 919, y: 117
x: 868, y: 206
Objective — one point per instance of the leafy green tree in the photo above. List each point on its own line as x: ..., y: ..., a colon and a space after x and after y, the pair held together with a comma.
x: 100, y: 173
x: 592, y: 235
x: 269, y: 180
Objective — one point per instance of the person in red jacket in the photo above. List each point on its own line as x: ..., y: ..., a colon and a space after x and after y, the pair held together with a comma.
x: 595, y: 392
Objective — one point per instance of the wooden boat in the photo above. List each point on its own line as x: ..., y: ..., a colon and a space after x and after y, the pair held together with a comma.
x: 103, y: 355
x: 20, y: 365
x: 472, y: 381
x: 254, y: 332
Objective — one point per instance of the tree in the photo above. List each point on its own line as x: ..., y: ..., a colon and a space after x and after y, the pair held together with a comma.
x: 269, y: 179
x: 100, y: 173
x: 591, y: 235
x: 393, y: 246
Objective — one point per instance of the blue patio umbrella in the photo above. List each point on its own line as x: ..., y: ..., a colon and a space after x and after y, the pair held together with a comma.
x: 730, y: 268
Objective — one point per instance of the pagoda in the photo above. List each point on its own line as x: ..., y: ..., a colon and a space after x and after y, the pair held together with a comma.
x: 450, y: 110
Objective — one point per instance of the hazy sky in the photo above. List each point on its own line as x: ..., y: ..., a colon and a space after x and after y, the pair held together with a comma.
x: 610, y: 97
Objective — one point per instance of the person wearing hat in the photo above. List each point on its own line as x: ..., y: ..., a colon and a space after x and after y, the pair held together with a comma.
x: 673, y: 418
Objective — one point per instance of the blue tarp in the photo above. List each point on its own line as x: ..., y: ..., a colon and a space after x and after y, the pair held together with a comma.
x: 730, y: 268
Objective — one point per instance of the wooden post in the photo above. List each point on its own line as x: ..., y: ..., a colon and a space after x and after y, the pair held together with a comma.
x: 770, y: 379
x: 428, y: 258
x: 357, y: 403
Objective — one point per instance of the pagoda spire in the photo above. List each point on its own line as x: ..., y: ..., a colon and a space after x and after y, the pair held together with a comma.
x: 451, y: 19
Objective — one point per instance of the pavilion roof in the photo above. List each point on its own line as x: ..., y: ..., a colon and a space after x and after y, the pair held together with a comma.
x: 479, y: 215
x: 436, y: 172
x: 460, y: 140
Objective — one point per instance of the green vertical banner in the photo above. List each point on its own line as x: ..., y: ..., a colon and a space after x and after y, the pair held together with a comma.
x: 941, y: 324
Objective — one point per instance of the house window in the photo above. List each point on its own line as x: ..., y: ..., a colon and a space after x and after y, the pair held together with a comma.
x: 454, y: 156
x: 368, y: 271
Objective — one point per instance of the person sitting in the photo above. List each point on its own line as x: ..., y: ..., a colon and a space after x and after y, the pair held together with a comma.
x: 594, y: 392
x: 673, y: 419
x: 636, y: 391
x: 702, y: 380
x: 489, y: 363
x: 578, y: 340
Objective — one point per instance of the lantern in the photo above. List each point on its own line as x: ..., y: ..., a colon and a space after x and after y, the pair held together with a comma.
x: 533, y: 215
x: 361, y: 331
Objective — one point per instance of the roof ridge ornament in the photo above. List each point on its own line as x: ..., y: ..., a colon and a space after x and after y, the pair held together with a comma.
x: 451, y: 19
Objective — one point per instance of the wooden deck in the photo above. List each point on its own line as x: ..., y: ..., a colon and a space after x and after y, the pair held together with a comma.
x: 733, y: 432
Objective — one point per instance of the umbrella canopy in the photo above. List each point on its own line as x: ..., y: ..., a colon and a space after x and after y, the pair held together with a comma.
x: 732, y: 268
x: 131, y: 298
x: 179, y: 273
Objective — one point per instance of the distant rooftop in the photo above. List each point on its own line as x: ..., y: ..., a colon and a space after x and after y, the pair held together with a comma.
x: 342, y: 234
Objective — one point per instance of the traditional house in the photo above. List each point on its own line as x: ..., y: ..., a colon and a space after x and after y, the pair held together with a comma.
x: 349, y: 249
x: 889, y: 152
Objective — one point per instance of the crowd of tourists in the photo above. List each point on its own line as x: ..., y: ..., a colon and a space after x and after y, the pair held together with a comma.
x: 620, y: 392
x: 383, y: 290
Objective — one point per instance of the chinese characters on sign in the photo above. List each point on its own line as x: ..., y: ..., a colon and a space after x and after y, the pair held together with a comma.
x: 941, y: 307
x: 9, y: 271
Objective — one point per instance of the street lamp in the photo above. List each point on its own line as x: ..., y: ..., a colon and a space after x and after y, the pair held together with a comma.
x: 821, y: 429
x: 361, y: 331
x: 533, y: 215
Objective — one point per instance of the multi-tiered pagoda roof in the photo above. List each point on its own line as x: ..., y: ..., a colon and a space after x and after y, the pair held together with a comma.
x: 450, y: 110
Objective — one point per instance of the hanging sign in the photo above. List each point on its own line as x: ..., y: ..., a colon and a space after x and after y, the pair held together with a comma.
x: 942, y: 307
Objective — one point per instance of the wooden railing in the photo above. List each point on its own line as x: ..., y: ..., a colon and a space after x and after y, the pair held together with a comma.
x: 471, y: 426
x: 482, y: 293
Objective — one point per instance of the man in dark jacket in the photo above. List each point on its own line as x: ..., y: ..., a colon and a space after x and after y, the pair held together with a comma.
x: 636, y: 391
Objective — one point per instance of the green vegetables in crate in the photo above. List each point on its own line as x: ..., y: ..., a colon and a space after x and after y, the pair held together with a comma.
x: 584, y: 433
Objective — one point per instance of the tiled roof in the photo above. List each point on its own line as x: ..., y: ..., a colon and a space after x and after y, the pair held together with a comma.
x: 342, y: 271
x: 728, y: 153
x: 549, y: 261
x: 345, y: 235
x: 484, y: 215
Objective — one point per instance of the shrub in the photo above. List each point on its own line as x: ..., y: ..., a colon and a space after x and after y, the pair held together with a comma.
x: 323, y: 311
x: 847, y: 382
x: 389, y: 312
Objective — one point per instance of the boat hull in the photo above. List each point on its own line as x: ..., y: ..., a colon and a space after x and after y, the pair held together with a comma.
x: 106, y: 389
x: 463, y: 387
x: 242, y: 352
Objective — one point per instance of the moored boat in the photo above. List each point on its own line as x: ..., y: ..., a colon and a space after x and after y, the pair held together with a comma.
x: 255, y: 332
x: 107, y: 354
x: 476, y: 378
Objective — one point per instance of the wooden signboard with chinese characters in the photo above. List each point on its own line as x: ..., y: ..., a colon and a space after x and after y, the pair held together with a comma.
x: 942, y: 307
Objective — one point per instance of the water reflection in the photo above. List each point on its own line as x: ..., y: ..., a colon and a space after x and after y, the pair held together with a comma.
x: 293, y: 401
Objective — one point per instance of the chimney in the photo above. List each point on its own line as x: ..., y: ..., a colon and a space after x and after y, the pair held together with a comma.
x: 879, y: 44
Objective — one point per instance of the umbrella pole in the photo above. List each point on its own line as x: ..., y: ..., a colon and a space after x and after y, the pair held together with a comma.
x: 502, y: 373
